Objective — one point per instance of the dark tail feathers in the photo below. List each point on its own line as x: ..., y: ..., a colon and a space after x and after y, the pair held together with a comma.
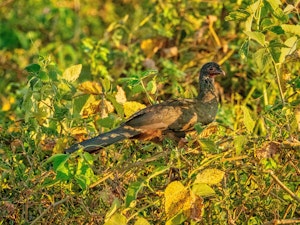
x: 103, y: 140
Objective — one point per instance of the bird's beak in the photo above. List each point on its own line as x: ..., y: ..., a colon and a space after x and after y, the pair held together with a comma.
x: 217, y: 72
x: 223, y: 73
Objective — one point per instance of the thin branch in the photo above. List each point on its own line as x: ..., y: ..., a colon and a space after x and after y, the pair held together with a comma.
x: 285, y: 188
x: 46, y: 210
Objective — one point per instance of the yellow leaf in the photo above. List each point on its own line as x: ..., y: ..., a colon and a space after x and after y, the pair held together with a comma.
x: 72, y: 73
x: 151, y: 46
x: 297, y: 115
x: 181, y: 204
x: 60, y: 145
x: 210, y: 176
x: 116, y: 219
x: 132, y: 107
x: 248, y: 121
x: 5, y: 104
x: 203, y: 190
x: 175, y: 197
x: 93, y: 106
x: 90, y: 87
x: 120, y: 95
x: 141, y: 221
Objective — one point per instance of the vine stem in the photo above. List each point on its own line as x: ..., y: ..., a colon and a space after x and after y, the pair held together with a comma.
x: 279, y: 83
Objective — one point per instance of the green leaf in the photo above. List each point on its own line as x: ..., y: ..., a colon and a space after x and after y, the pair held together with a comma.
x: 203, y: 190
x: 243, y: 52
x: 107, y: 122
x: 248, y: 121
x: 262, y: 59
x: 237, y: 15
x: 151, y: 87
x: 132, y: 192
x: 257, y: 36
x: 291, y: 44
x: 60, y: 166
x: 207, y: 145
x: 105, y: 82
x: 33, y: 68
x: 72, y: 73
x: 43, y: 75
x: 57, y: 160
x: 177, y: 219
x: 275, y: 8
x: 277, y: 29
x: 239, y: 143
x: 84, y: 174
x: 251, y: 9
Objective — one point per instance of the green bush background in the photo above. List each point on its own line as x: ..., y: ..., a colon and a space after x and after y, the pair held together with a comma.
x: 65, y: 65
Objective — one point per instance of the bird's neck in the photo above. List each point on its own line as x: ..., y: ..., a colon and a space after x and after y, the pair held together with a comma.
x: 207, y: 91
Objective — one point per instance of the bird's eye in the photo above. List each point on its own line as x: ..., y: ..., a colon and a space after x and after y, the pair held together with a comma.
x: 211, y: 69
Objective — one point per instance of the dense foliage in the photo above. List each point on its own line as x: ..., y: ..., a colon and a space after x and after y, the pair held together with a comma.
x: 73, y: 69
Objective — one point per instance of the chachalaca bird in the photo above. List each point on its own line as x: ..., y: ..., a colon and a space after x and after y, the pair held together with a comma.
x: 172, y: 118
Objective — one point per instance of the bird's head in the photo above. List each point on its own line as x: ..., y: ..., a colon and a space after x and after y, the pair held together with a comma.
x: 210, y: 70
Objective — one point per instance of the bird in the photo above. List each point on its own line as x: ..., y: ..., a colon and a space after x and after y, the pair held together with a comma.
x: 172, y: 118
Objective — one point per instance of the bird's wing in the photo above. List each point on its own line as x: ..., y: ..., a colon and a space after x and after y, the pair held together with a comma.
x: 173, y: 114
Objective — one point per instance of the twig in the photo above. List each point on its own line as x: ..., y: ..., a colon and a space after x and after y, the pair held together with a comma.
x: 284, y: 221
x: 293, y: 195
x: 46, y: 210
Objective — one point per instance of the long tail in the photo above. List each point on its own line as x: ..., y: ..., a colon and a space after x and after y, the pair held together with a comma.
x: 95, y: 144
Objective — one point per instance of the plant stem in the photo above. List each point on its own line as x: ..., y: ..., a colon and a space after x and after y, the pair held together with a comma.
x: 279, y: 83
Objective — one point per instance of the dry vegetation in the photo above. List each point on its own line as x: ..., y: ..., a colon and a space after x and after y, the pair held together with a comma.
x: 72, y: 69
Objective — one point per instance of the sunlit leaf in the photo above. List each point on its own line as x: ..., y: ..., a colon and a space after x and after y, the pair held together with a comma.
x: 262, y: 59
x: 141, y: 221
x: 248, y: 120
x: 257, y: 36
x: 72, y: 73
x: 175, y: 197
x: 6, y: 103
x: 132, y: 107
x: 243, y: 52
x: 291, y: 44
x: 120, y: 95
x: 105, y: 84
x: 151, y: 87
x: 239, y: 143
x: 210, y: 176
x: 208, y: 145
x: 203, y: 190
x: 116, y: 219
x: 276, y: 9
x: 151, y: 46
x: 90, y: 87
x: 293, y: 29
x: 237, y: 15
x: 251, y: 9
x: 177, y: 219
